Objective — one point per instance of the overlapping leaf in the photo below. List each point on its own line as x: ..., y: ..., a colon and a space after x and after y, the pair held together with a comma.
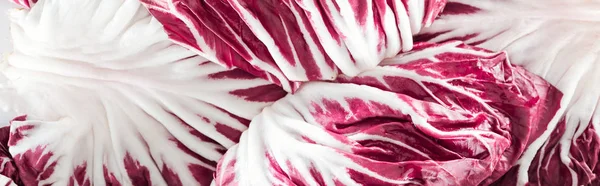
x: 111, y: 101
x: 292, y: 41
x: 443, y: 114
x: 557, y: 40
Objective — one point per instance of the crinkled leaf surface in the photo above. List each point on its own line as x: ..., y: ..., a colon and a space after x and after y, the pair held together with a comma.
x: 558, y: 40
x: 111, y: 101
x: 442, y: 114
x: 291, y: 41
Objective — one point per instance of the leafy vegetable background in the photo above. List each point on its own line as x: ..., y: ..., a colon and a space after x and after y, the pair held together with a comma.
x: 302, y: 92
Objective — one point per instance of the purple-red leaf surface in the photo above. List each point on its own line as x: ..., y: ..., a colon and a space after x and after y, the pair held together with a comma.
x: 154, y: 92
x: 559, y: 41
x: 442, y: 114
x: 108, y: 99
x: 293, y: 41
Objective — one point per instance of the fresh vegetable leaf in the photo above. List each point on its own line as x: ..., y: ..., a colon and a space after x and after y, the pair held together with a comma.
x: 557, y: 40
x: 293, y: 41
x: 442, y: 114
x: 111, y: 101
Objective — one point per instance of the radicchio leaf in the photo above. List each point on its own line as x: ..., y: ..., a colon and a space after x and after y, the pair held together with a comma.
x: 8, y: 169
x: 559, y: 41
x: 24, y: 3
x: 442, y: 114
x: 292, y: 41
x: 113, y: 102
